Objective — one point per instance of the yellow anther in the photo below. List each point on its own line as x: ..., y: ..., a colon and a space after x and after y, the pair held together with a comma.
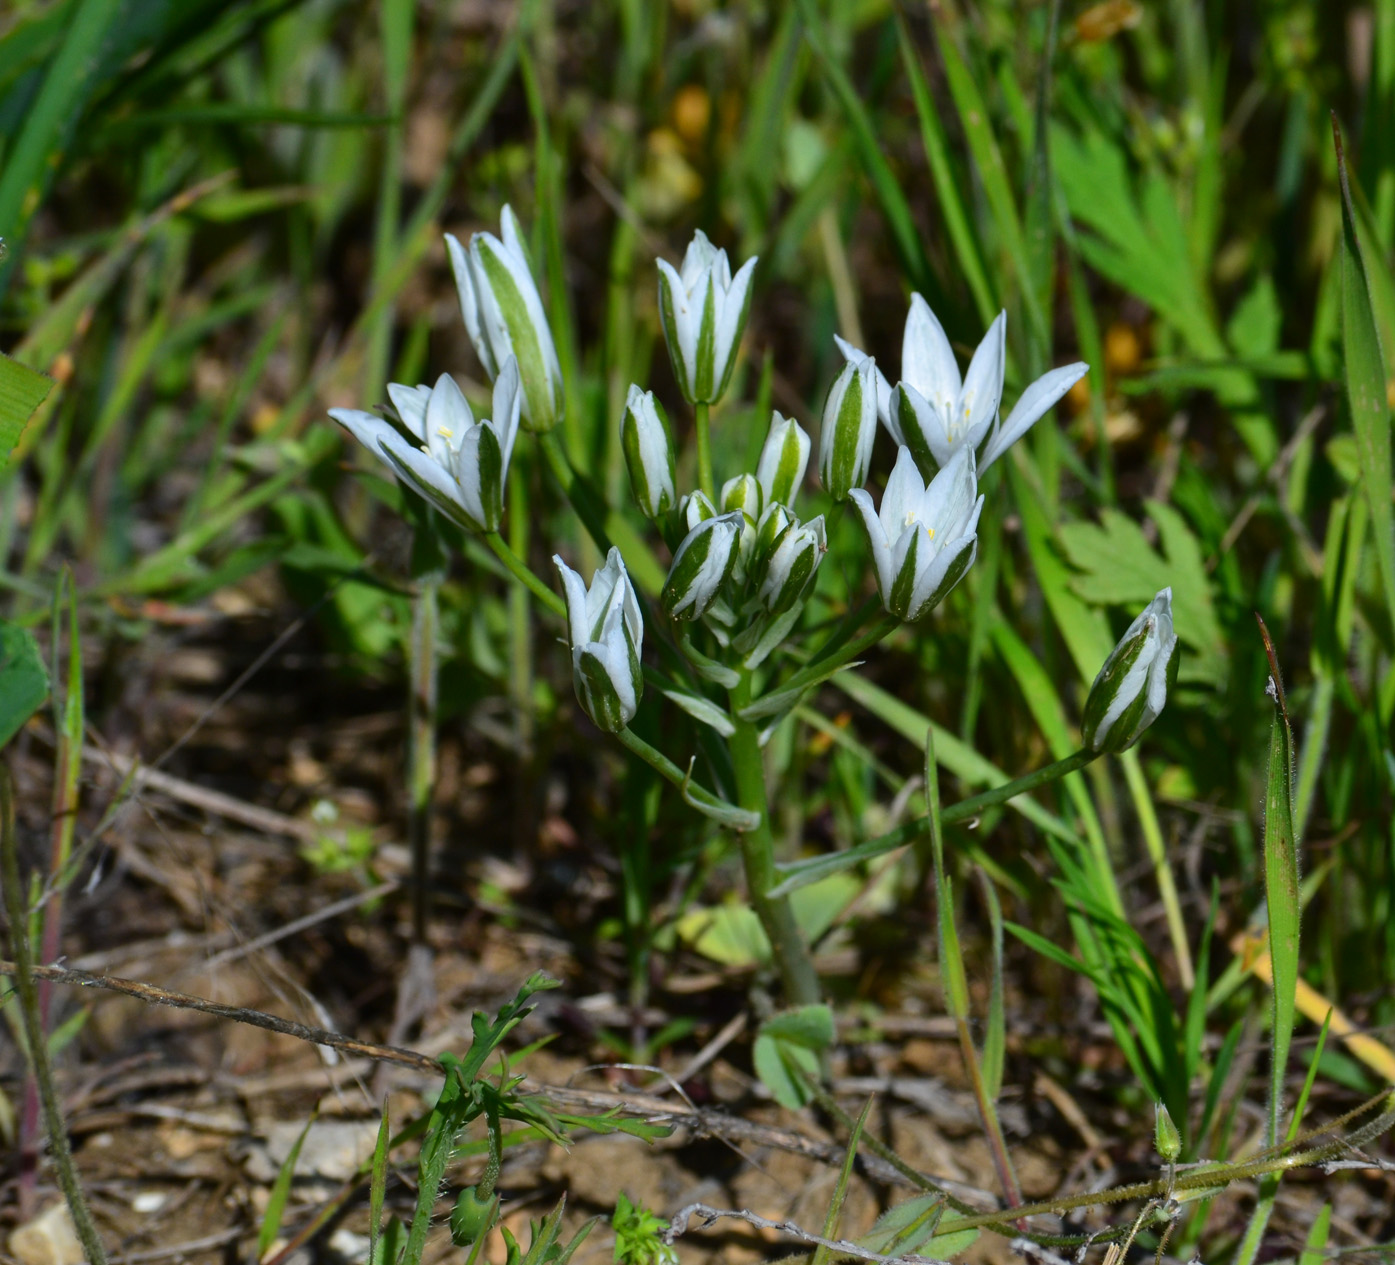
x: 444, y: 432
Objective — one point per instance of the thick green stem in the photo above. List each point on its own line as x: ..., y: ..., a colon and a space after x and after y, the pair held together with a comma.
x: 776, y: 914
x: 35, y: 1036
x: 704, y: 449
x: 525, y: 575
x: 520, y: 625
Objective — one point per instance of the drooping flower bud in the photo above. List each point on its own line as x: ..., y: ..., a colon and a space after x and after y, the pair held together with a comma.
x: 648, y: 448
x: 783, y: 460
x: 703, y: 309
x: 849, y: 427
x: 789, y: 572
x: 1131, y: 689
x: 701, y: 566
x: 606, y: 634
x: 504, y: 316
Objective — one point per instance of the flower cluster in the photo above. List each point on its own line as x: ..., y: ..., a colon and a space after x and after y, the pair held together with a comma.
x: 743, y: 563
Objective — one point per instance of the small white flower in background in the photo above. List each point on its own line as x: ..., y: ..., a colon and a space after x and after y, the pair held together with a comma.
x: 924, y: 538
x: 648, y: 448
x: 703, y: 309
x: 1131, y: 689
x: 504, y: 317
x: 701, y: 566
x: 606, y: 634
x: 792, y: 563
x: 934, y: 412
x: 461, y: 465
x: 783, y: 460
x: 849, y: 428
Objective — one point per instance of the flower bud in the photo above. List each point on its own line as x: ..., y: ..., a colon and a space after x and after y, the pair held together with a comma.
x: 701, y: 566
x: 743, y: 493
x: 697, y: 508
x: 1166, y: 1137
x: 783, y: 460
x: 703, y: 309
x: 772, y: 522
x: 504, y: 316
x: 1131, y: 689
x: 648, y: 447
x: 471, y: 1217
x: 792, y: 564
x: 606, y: 634
x: 849, y: 427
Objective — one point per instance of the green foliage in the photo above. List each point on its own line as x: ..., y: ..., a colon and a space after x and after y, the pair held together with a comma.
x: 638, y: 1235
x: 788, y: 1050
x: 23, y: 679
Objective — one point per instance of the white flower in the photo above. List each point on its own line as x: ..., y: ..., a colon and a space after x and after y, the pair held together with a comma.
x: 703, y: 309
x: 925, y: 538
x: 648, y: 449
x: 606, y: 633
x: 934, y: 413
x: 702, y: 565
x: 849, y: 428
x: 1131, y: 689
x: 458, y: 465
x: 504, y: 316
x: 783, y: 460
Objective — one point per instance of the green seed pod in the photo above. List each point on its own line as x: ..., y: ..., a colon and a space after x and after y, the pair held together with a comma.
x: 471, y: 1217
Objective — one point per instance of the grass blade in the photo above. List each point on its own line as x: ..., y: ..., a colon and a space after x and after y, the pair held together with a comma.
x: 1367, y: 389
x: 280, y: 1193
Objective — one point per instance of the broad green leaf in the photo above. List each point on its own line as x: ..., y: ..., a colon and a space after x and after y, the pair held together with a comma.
x: 22, y: 390
x: 787, y: 1051
x: 1118, y: 567
x: 733, y: 935
x: 23, y: 679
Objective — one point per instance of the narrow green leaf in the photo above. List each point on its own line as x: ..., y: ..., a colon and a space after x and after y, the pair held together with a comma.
x: 993, y: 1054
x: 377, y: 1184
x: 280, y: 1193
x: 1282, y: 895
x: 1367, y: 384
x: 840, y: 1193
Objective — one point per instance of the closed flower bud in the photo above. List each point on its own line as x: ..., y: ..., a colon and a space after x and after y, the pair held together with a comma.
x: 783, y: 460
x: 701, y: 566
x: 924, y: 538
x: 1166, y: 1137
x: 457, y: 464
x: 703, y: 309
x: 697, y: 508
x: 648, y: 447
x: 849, y: 427
x: 1131, y: 689
x: 504, y: 316
x: 773, y: 522
x: 606, y: 635
x: 743, y: 493
x: 789, y: 572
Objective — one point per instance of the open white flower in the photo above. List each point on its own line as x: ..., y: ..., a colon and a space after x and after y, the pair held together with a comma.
x: 1131, y: 689
x: 458, y: 465
x: 504, y: 316
x: 934, y: 412
x: 606, y: 633
x: 703, y: 309
x: 924, y: 538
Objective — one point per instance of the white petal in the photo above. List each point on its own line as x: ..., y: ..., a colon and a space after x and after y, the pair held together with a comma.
x: 574, y: 587
x: 929, y: 421
x: 687, y: 316
x: 368, y: 428
x: 730, y: 303
x: 414, y: 466
x: 466, y: 288
x: 1031, y: 405
x: 507, y: 408
x: 876, y: 537
x: 853, y: 356
x: 927, y: 359
x: 931, y: 577
x: 516, y: 261
x: 697, y: 259
x: 983, y: 387
x: 950, y: 494
x: 448, y: 418
x: 410, y: 403
x: 905, y: 491
x: 495, y: 333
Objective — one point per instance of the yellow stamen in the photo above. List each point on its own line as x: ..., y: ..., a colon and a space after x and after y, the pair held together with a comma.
x: 444, y: 432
